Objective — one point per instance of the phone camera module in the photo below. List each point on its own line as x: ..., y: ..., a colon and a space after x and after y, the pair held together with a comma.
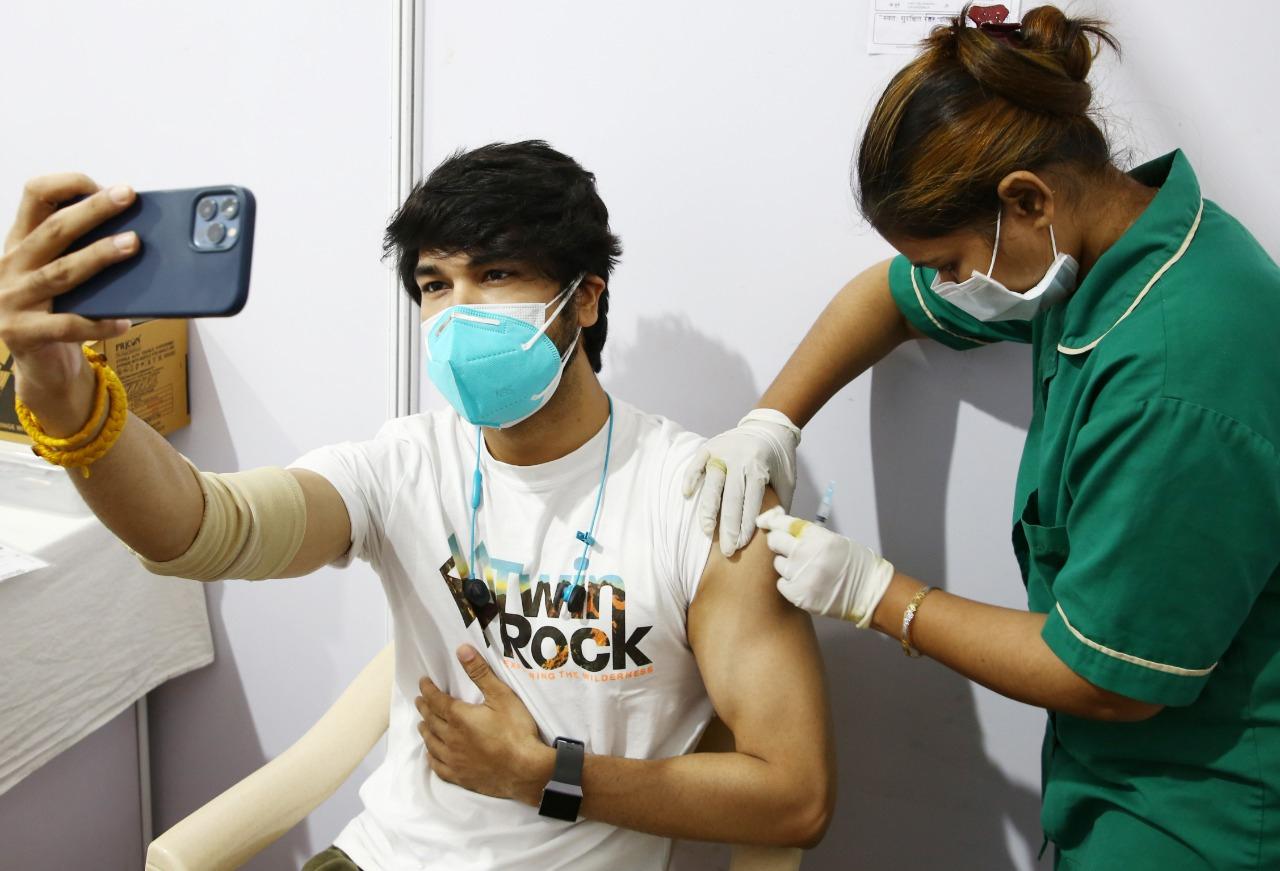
x: 216, y: 226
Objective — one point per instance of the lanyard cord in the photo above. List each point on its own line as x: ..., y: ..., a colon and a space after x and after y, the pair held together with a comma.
x: 587, y: 537
x: 476, y: 481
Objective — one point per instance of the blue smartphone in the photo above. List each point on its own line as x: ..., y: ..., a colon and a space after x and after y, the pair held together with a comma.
x: 193, y: 262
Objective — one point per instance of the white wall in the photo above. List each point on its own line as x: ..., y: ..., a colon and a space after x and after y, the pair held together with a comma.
x: 293, y: 101
x: 721, y: 133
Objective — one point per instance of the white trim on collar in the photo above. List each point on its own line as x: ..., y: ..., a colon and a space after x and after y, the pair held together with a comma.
x: 1182, y: 249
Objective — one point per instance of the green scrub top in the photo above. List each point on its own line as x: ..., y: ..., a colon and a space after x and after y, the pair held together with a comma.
x: 1147, y: 527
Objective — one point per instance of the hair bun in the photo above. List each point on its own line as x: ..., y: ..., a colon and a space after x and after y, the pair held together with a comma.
x: 1043, y: 67
x: 1046, y: 29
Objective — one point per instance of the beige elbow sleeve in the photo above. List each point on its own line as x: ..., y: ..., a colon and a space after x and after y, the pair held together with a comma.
x: 252, y: 528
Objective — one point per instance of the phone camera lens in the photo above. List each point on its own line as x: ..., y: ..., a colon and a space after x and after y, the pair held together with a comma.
x: 216, y: 233
x: 230, y: 208
x: 207, y: 209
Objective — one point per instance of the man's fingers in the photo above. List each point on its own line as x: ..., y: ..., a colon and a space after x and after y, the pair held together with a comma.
x: 432, y: 738
x: 478, y: 670
x: 432, y: 729
x: 443, y: 771
x: 31, y: 329
x: 709, y: 498
x: 694, y: 471
x: 74, y: 269
x: 56, y: 232
x: 436, y: 702
x: 424, y: 709
x: 41, y: 198
x: 437, y: 755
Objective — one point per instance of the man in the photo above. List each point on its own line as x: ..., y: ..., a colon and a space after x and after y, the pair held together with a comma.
x: 543, y: 570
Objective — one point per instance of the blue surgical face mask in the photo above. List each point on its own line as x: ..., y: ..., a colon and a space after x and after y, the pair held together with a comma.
x: 987, y: 299
x: 495, y: 364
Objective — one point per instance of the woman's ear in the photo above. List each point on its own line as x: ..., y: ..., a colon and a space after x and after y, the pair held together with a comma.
x: 587, y: 299
x: 1026, y: 195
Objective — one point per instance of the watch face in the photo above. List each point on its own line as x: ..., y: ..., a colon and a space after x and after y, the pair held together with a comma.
x: 561, y: 801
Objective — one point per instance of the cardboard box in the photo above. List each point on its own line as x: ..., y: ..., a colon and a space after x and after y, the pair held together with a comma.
x: 151, y: 360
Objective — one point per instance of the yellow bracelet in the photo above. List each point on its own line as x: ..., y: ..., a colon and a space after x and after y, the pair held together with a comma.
x: 40, y: 437
x: 908, y: 616
x: 68, y: 452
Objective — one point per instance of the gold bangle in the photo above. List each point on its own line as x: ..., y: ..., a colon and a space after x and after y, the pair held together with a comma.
x: 908, y: 616
x: 59, y: 451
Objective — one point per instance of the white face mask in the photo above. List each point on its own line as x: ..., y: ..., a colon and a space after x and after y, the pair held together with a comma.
x: 988, y: 300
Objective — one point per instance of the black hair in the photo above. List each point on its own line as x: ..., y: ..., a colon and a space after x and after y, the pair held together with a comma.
x: 521, y: 201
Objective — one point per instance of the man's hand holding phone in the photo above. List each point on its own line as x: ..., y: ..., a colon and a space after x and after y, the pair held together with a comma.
x: 52, y: 378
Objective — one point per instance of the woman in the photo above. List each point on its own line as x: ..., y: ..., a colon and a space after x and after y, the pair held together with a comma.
x: 1147, y: 509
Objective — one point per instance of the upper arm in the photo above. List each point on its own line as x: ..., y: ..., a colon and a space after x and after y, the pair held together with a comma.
x: 761, y: 665
x: 1169, y: 542
x: 349, y: 489
x: 328, y: 528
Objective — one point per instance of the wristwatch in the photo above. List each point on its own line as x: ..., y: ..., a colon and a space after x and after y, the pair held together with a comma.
x: 563, y: 795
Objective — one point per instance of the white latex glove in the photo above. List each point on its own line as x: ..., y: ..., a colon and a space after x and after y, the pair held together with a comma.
x: 738, y: 464
x: 825, y: 573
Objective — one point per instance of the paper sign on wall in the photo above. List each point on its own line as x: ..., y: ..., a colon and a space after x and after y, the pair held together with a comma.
x: 897, y: 26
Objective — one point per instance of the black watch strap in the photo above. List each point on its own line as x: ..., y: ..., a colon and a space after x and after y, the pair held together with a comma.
x: 562, y: 797
x: 569, y: 756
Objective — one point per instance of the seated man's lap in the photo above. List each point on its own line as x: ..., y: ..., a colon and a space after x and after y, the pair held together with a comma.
x: 331, y: 859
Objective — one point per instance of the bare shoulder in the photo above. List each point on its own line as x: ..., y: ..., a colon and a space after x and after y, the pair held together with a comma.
x: 740, y: 592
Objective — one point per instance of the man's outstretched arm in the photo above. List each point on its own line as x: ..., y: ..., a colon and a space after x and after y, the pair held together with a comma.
x: 760, y: 662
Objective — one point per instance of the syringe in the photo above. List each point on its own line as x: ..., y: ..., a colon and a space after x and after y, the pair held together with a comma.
x: 824, y: 507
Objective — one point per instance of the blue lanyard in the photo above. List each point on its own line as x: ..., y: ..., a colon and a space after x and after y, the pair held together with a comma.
x: 587, y: 536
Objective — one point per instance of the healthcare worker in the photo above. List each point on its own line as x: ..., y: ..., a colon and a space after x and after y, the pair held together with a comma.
x: 1147, y: 510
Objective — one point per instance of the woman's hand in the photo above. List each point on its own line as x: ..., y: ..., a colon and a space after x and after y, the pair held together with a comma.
x: 492, y: 748
x: 738, y: 465
x: 825, y: 573
x: 48, y: 363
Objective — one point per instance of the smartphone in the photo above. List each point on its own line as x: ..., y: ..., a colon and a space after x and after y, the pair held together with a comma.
x: 193, y: 262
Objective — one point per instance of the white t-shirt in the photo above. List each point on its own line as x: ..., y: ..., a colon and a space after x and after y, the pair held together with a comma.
x: 622, y: 679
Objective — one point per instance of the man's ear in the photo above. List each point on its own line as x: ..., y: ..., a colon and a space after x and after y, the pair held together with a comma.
x: 587, y: 299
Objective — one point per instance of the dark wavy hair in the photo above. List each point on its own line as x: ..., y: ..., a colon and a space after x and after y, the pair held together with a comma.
x: 521, y: 201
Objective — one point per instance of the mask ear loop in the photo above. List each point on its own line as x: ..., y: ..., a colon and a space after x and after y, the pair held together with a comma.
x: 564, y: 297
x: 564, y: 361
x: 1053, y: 242
x: 996, y: 249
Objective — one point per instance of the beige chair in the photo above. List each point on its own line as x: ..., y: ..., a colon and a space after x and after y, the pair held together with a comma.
x: 235, y: 826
